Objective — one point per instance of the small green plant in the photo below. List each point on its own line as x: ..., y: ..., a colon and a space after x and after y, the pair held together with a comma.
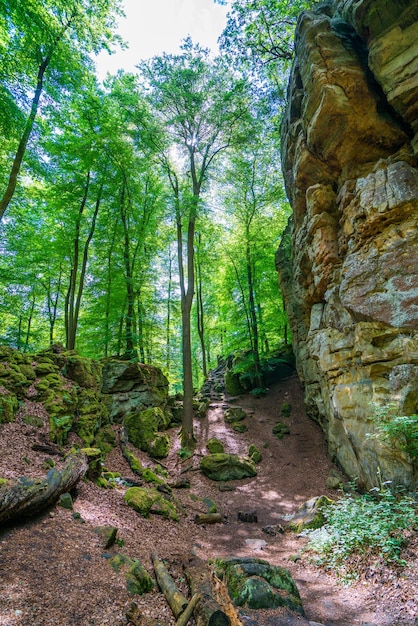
x: 360, y: 530
x: 258, y: 392
x: 184, y: 453
x: 399, y: 430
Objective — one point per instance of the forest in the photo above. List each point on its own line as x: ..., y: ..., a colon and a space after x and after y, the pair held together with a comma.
x: 163, y: 232
x: 140, y: 216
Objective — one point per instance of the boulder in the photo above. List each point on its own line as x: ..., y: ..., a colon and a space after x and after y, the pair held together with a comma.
x: 224, y: 467
x: 148, y: 500
x: 255, y: 584
x: 142, y: 427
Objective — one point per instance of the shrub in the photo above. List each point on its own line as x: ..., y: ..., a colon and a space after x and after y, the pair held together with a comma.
x: 399, y: 430
x: 361, y: 528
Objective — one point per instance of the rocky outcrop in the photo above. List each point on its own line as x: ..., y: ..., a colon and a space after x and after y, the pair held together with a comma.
x: 348, y: 260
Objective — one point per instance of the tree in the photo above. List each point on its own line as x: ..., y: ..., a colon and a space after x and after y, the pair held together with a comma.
x: 46, y: 39
x: 200, y: 106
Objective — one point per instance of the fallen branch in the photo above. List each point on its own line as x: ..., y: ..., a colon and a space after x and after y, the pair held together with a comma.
x: 188, y: 611
x: 177, y: 601
x: 208, y: 518
x: 27, y: 496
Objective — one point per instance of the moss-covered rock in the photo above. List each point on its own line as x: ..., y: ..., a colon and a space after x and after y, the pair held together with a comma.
x: 310, y: 514
x: 91, y: 414
x: 160, y: 447
x: 8, y: 405
x: 142, y: 427
x: 280, y: 430
x: 255, y: 584
x: 214, y: 446
x: 254, y: 454
x: 45, y: 367
x: 105, y: 439
x: 232, y: 384
x: 84, y: 371
x: 224, y: 467
x: 107, y: 535
x: 95, y: 462
x: 234, y: 414
x: 138, y: 581
x: 239, y: 427
x: 148, y: 500
x: 66, y: 501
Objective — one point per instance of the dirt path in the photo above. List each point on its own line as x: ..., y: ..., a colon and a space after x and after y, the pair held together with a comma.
x: 53, y: 570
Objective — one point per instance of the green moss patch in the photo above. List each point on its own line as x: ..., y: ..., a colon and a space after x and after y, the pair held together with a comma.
x: 148, y: 500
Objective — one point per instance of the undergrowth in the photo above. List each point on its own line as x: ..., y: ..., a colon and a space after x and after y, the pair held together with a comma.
x: 363, y: 532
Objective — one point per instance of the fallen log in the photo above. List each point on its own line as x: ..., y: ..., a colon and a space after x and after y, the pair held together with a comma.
x: 25, y: 496
x: 208, y: 518
x: 177, y: 601
x: 208, y: 612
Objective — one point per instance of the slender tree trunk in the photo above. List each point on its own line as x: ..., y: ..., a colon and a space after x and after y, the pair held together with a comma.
x: 75, y: 292
x: 32, y: 308
x: 21, y: 149
x: 108, y: 293
x: 253, y: 312
x: 168, y: 326
x: 70, y: 296
x: 131, y: 352
x: 199, y: 309
x: 140, y: 320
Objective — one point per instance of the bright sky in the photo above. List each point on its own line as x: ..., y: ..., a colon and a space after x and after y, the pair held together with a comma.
x: 155, y: 26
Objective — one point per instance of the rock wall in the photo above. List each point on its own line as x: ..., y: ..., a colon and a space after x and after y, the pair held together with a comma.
x: 348, y: 262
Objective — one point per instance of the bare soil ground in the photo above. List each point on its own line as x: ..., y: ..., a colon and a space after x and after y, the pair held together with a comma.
x: 53, y: 570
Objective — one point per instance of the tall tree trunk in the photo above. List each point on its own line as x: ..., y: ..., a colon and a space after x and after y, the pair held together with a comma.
x: 70, y: 296
x: 253, y: 311
x: 168, y: 326
x: 21, y: 149
x: 130, y: 352
x: 32, y: 308
x: 140, y: 320
x: 76, y: 287
x: 199, y: 308
x: 108, y: 293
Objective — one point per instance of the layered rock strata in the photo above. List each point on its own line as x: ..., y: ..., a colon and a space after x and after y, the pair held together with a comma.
x: 348, y: 262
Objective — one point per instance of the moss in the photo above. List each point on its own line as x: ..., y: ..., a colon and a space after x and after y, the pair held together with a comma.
x: 138, y: 581
x: 54, y: 380
x: 310, y: 515
x: 214, y: 445
x: 225, y: 467
x: 151, y: 477
x: 28, y: 371
x: 143, y: 426
x: 255, y: 454
x: 94, y: 460
x: 3, y: 482
x: 280, y: 430
x: 160, y: 447
x: 46, y: 367
x: 82, y: 370
x: 239, y: 427
x: 256, y: 584
x: 8, y: 407
x: 286, y: 409
x: 134, y: 463
x: 146, y: 501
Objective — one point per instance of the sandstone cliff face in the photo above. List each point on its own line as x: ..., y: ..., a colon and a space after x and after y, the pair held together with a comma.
x: 348, y: 263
